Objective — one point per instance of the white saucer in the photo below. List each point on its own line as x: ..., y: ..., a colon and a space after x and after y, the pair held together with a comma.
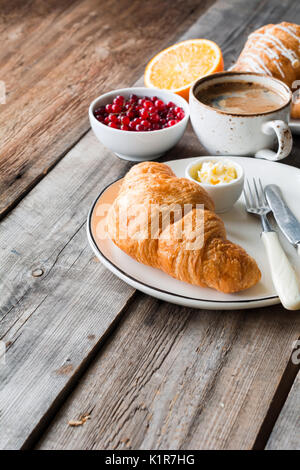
x: 241, y: 228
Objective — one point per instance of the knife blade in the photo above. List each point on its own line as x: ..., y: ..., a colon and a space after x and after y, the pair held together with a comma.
x: 286, y: 220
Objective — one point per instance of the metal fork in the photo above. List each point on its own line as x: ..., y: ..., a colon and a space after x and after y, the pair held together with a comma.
x: 283, y: 275
x: 256, y: 203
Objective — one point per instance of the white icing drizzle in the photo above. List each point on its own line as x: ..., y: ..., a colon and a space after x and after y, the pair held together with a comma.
x: 272, y: 54
x: 253, y: 66
x: 258, y: 40
x: 279, y: 69
x: 287, y: 29
x: 259, y: 62
x: 278, y: 44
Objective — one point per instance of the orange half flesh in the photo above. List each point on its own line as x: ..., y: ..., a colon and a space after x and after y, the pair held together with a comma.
x: 178, y: 66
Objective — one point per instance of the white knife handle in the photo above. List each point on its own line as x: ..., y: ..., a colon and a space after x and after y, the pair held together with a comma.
x: 283, y: 275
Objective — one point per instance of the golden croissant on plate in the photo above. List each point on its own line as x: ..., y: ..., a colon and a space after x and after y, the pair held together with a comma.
x: 169, y: 223
x: 274, y: 50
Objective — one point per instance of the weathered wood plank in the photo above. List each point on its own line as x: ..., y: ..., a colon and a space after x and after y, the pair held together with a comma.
x: 53, y: 323
x: 55, y: 58
x: 44, y: 317
x: 175, y: 378
x: 286, y: 433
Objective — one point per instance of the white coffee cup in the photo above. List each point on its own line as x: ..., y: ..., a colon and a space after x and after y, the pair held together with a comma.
x: 225, y: 133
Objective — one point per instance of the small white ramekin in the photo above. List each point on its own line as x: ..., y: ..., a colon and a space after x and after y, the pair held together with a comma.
x: 224, y: 195
x: 139, y: 146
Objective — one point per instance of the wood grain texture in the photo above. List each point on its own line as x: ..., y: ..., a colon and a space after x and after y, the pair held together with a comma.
x: 286, y: 432
x: 66, y: 312
x: 56, y: 299
x: 176, y: 378
x: 56, y: 57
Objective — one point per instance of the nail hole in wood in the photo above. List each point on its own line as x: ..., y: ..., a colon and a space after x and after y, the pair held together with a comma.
x: 37, y: 272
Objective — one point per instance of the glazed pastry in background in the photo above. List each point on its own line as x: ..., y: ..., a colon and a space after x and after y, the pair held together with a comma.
x: 217, y: 263
x: 274, y: 50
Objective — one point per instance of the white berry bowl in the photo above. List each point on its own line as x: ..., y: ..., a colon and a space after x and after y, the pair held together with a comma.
x: 224, y: 194
x: 139, y: 146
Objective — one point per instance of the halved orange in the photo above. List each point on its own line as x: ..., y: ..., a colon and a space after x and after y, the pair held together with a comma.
x: 178, y: 66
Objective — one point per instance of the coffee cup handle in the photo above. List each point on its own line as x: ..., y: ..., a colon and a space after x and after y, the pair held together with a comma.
x: 285, y: 140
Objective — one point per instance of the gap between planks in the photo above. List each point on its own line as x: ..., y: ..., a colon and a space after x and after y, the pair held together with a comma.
x: 176, y: 378
x: 78, y: 210
x: 286, y: 432
x: 277, y: 406
x: 56, y: 61
x: 71, y: 306
x: 281, y: 391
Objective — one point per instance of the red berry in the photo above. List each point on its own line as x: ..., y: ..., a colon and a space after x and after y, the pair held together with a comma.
x: 171, y: 104
x: 119, y: 99
x: 154, y: 117
x: 106, y: 120
x: 130, y: 114
x: 140, y: 128
x: 148, y: 104
x: 124, y: 128
x: 100, y: 110
x: 144, y: 113
x: 146, y: 124
x: 170, y: 116
x: 132, y: 126
x: 108, y: 108
x: 133, y: 97
x: 172, y: 123
x: 159, y: 104
x: 125, y: 120
x: 113, y: 125
x: 113, y: 118
x: 116, y: 108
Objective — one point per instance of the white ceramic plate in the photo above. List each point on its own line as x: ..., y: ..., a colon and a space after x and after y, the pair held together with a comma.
x: 241, y: 227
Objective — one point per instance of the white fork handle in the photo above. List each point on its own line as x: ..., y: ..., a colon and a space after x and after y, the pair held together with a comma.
x: 283, y: 275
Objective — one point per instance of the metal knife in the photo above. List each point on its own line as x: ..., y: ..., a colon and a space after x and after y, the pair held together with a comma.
x: 284, y: 217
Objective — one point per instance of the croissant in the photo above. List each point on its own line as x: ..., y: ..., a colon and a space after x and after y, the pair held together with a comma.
x: 274, y: 50
x: 169, y: 223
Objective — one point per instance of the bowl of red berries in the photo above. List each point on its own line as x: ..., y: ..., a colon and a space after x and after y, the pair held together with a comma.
x: 139, y: 123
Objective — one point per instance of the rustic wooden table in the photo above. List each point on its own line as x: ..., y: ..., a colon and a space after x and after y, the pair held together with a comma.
x: 79, y: 340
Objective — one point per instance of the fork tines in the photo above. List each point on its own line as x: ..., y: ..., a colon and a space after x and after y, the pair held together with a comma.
x: 255, y: 199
